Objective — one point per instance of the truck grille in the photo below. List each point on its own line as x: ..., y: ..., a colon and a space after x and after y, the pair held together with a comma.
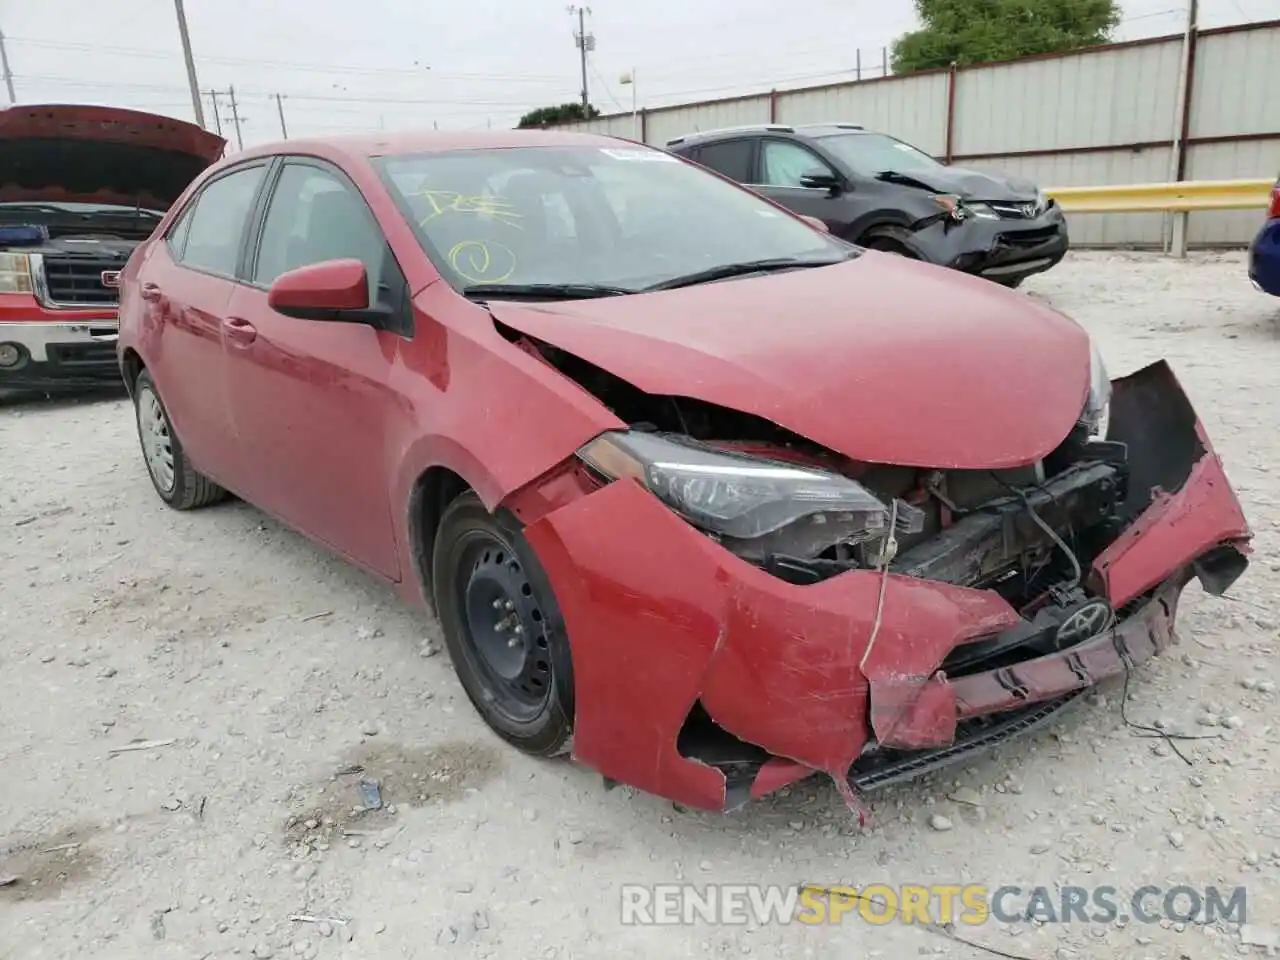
x: 78, y: 280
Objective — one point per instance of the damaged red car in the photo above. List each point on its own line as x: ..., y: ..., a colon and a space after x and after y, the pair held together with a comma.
x: 700, y: 494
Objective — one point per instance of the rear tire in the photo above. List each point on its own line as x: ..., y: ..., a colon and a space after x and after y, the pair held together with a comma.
x: 503, y: 628
x: 178, y: 483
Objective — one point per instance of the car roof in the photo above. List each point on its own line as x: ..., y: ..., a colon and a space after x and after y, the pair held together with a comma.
x: 432, y: 141
x: 800, y: 130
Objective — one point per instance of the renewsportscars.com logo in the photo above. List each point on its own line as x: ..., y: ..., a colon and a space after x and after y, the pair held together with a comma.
x: 677, y: 904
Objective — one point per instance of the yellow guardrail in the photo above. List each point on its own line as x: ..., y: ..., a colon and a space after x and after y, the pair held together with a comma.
x: 1165, y: 197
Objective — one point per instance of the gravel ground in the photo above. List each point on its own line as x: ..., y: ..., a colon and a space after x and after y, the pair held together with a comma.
x: 266, y: 669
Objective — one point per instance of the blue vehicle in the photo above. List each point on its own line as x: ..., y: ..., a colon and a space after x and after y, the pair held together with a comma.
x: 1264, y: 252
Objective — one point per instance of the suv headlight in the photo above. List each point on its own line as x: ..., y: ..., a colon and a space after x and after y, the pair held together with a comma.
x: 1097, y: 408
x: 738, y: 496
x: 982, y: 211
x: 15, y: 273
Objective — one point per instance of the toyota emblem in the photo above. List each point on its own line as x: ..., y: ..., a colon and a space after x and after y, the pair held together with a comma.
x: 1084, y: 622
x: 111, y: 278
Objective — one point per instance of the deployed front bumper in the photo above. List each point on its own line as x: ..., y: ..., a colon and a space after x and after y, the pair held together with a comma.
x: 663, y: 623
x: 59, y: 354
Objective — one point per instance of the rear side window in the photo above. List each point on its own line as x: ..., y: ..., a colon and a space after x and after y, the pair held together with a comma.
x: 217, y: 222
x: 731, y: 158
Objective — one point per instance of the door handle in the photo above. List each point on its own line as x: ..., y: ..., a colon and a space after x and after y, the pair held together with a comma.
x: 239, y: 330
x: 150, y: 291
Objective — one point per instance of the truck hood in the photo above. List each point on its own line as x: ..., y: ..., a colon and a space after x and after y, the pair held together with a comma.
x: 882, y: 359
x: 89, y: 154
x: 974, y: 184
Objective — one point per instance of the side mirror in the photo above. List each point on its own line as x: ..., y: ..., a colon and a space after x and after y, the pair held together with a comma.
x: 331, y: 290
x: 820, y: 180
x: 815, y: 223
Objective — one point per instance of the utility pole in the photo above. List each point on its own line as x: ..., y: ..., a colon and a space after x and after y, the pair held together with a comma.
x: 1177, y: 242
x: 284, y: 132
x: 585, y: 42
x: 191, y: 62
x: 217, y: 117
x: 8, y: 74
x: 235, y: 116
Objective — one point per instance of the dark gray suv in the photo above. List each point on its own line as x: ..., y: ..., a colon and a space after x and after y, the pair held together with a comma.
x: 876, y: 191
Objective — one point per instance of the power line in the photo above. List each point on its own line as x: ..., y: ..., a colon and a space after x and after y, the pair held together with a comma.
x: 286, y: 64
x: 324, y: 98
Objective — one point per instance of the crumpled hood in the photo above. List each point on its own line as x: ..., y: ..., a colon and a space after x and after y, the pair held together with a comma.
x: 882, y: 359
x: 87, y: 154
x: 975, y: 184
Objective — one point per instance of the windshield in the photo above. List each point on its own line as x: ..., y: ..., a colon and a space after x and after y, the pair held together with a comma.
x: 871, y: 153
x: 624, y: 217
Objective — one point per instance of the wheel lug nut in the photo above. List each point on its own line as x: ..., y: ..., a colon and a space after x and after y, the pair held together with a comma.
x: 510, y: 605
x: 497, y: 604
x: 513, y: 642
x: 517, y: 629
x: 500, y: 626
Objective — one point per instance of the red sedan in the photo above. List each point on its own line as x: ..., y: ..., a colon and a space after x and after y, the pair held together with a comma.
x: 701, y: 494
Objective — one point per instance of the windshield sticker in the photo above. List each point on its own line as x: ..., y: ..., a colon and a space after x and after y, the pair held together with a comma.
x: 640, y: 156
x: 442, y: 202
x: 482, y: 261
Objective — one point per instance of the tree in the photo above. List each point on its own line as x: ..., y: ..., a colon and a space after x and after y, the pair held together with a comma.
x: 550, y: 116
x: 979, y: 31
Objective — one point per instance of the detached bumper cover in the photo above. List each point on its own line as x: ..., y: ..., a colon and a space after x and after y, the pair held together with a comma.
x: 662, y: 620
x: 73, y: 353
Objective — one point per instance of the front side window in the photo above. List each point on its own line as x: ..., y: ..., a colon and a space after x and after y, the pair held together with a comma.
x: 623, y: 216
x: 869, y: 154
x: 315, y: 216
x: 783, y: 163
x: 218, y: 221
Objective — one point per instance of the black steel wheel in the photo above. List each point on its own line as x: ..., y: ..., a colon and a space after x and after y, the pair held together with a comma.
x: 503, y: 628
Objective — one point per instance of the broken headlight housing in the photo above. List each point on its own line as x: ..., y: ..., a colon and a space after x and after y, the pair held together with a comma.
x: 1097, y: 407
x: 736, y: 496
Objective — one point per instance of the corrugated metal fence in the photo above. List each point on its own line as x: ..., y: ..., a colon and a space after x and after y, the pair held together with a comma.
x: 1105, y: 115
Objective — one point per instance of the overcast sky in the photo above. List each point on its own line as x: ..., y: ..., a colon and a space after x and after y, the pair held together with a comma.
x: 395, y: 64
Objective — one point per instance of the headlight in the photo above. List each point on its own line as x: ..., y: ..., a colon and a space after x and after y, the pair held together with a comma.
x: 982, y: 211
x: 1042, y: 201
x: 15, y: 273
x: 742, y: 497
x: 1097, y: 408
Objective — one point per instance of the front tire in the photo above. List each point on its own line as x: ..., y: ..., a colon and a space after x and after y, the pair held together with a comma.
x: 503, y: 628
x: 889, y: 239
x: 178, y: 483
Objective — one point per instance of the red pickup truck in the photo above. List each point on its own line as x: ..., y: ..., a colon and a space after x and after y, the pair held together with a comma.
x: 80, y: 188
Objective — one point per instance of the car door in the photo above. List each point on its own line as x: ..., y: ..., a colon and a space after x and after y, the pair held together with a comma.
x: 781, y: 166
x: 311, y: 398
x: 185, y: 286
